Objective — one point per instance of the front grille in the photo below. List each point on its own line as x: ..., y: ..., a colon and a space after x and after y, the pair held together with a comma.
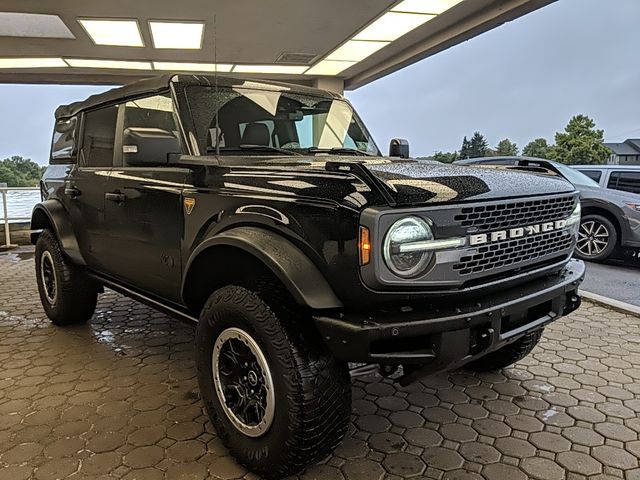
x: 512, y: 252
x: 515, y: 214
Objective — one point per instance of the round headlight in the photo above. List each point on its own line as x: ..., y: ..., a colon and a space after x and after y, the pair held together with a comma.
x: 407, y: 230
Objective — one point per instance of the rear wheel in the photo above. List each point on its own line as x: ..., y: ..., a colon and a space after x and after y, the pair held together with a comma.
x: 597, y: 238
x: 507, y: 355
x: 278, y: 400
x: 67, y: 294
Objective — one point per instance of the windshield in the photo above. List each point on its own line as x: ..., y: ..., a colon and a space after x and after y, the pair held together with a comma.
x: 258, y: 122
x: 576, y: 177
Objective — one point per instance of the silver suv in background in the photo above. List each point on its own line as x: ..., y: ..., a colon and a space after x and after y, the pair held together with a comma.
x: 617, y: 177
x: 610, y: 221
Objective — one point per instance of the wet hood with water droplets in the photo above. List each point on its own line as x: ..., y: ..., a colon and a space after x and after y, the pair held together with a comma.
x: 413, y: 182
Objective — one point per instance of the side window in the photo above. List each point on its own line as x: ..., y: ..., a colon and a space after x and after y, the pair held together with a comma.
x: 627, y: 181
x: 150, y: 131
x: 593, y: 174
x: 99, y: 137
x: 64, y: 138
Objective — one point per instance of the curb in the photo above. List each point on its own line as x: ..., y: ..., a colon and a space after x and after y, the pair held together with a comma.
x: 611, y: 303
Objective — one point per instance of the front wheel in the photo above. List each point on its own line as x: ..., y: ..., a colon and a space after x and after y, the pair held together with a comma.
x: 278, y: 400
x: 597, y: 238
x: 67, y: 295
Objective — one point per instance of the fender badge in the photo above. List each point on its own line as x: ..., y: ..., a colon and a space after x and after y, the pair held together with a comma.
x: 189, y: 203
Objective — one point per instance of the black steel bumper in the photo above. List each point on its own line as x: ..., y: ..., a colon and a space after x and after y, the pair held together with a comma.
x: 448, y: 336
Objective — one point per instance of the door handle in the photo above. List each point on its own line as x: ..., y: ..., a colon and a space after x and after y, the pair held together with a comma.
x: 116, y: 197
x: 72, y: 192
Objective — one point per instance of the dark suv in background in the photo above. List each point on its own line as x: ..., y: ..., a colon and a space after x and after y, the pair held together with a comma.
x: 610, y: 218
x: 264, y: 213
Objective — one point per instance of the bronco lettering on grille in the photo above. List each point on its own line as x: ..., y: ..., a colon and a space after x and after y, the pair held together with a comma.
x: 499, y: 235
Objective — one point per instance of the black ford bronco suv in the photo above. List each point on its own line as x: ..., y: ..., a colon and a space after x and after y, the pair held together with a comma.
x: 265, y: 214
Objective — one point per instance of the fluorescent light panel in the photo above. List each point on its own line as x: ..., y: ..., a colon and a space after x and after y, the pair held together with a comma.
x: 392, y: 25
x: 38, y: 62
x: 290, y: 69
x: 434, y: 7
x: 117, y: 64
x: 356, y: 50
x: 192, y: 67
x: 119, y: 33
x: 35, y: 25
x: 329, y: 67
x: 184, y: 35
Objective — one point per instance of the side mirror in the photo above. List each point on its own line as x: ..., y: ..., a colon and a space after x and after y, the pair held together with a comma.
x: 399, y: 147
x: 148, y: 146
x: 63, y: 147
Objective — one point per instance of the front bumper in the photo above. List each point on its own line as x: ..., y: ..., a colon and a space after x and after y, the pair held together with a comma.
x: 441, y: 338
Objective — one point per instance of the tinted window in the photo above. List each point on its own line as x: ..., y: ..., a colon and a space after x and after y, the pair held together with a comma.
x: 99, y: 136
x: 593, y: 174
x: 150, y: 130
x: 64, y: 135
x: 627, y: 181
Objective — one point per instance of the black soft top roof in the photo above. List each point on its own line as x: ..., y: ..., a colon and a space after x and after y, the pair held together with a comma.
x: 157, y: 84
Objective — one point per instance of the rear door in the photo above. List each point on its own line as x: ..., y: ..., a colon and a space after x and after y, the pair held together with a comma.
x: 86, y: 184
x: 144, y: 199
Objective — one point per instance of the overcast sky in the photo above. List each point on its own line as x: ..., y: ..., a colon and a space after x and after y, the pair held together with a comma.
x: 522, y: 80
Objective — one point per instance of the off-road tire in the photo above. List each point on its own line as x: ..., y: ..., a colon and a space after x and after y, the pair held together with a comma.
x: 76, y: 294
x: 312, y: 389
x: 507, y: 355
x: 612, y: 238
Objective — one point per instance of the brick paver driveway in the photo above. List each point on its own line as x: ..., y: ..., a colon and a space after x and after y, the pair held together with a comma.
x: 117, y: 398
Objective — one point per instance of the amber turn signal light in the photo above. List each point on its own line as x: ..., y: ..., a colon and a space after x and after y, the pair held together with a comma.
x: 364, y: 246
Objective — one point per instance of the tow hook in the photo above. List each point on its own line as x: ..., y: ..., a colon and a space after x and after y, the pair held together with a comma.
x: 483, y: 340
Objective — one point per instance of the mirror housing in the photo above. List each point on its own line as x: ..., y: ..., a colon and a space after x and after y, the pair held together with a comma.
x: 399, y: 147
x: 142, y: 146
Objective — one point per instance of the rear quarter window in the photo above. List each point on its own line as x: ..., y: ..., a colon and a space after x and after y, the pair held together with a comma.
x: 626, y: 181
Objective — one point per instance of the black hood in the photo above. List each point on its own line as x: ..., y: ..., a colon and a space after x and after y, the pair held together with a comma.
x: 413, y: 182
x: 401, y: 182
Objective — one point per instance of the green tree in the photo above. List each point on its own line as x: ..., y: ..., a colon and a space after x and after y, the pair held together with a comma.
x: 478, y: 146
x: 506, y: 148
x: 20, y: 172
x: 580, y: 142
x: 445, y: 157
x: 538, y: 148
x: 466, y: 148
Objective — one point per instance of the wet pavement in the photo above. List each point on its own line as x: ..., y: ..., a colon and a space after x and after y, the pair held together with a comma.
x: 118, y: 398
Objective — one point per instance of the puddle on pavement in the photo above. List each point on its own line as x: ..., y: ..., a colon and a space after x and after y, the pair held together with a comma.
x: 17, y: 255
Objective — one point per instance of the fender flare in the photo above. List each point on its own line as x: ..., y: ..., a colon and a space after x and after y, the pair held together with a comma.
x: 293, y: 268
x: 52, y: 213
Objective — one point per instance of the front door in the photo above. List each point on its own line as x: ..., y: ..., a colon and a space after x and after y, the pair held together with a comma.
x: 143, y: 200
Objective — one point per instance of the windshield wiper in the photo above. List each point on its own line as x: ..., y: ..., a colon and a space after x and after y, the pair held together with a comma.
x: 262, y: 148
x: 339, y: 151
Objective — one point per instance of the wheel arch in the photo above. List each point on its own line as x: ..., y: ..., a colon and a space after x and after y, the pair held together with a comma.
x: 251, y: 255
x: 50, y: 214
x: 609, y: 215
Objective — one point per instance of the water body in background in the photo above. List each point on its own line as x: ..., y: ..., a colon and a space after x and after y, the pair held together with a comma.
x: 20, y: 203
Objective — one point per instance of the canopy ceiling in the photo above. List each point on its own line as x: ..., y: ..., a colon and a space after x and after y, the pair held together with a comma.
x: 332, y: 43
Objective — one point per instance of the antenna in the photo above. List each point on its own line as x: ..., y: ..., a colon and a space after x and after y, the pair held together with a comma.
x: 215, y: 79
